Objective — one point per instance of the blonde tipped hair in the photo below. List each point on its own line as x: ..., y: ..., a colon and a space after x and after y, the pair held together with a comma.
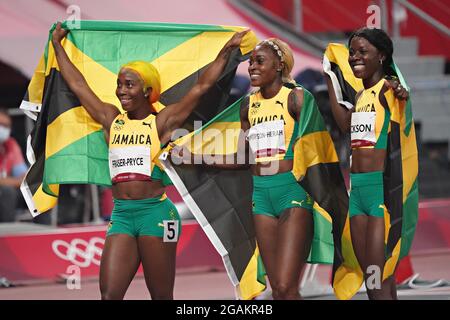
x: 149, y: 76
x: 284, y: 52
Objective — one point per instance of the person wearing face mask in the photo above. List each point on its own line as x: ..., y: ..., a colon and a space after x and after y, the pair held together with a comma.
x: 12, y: 169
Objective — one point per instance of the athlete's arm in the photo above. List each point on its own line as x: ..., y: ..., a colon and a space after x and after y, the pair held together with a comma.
x: 103, y: 113
x: 240, y: 159
x: 174, y: 115
x: 341, y: 114
x: 295, y: 102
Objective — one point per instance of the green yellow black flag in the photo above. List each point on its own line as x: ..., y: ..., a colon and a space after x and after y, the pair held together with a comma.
x: 400, y: 176
x: 221, y: 199
x: 66, y: 146
x: 317, y: 170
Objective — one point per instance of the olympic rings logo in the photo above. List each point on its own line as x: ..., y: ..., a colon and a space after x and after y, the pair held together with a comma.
x: 80, y: 252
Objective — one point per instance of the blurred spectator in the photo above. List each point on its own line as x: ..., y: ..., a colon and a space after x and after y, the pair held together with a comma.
x: 12, y: 169
x: 239, y: 88
x: 311, y: 79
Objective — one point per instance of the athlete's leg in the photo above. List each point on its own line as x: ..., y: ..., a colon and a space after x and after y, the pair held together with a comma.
x: 393, y: 287
x: 295, y: 232
x: 375, y: 257
x: 119, y: 263
x: 266, y: 236
x: 358, y: 231
x: 158, y: 259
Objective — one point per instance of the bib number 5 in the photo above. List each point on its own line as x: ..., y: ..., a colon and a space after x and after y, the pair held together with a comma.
x: 171, y: 230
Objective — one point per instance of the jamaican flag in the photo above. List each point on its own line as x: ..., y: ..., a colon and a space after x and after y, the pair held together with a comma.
x: 66, y: 145
x: 316, y: 168
x: 400, y: 175
x: 221, y: 199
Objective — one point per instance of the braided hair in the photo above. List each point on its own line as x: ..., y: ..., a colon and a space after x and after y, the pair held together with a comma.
x: 380, y: 40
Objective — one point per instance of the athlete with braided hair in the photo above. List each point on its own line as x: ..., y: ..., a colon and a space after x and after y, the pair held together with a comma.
x: 369, y: 123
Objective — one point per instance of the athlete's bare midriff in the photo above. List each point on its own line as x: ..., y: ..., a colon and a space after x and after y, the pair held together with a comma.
x: 272, y: 167
x: 135, y: 190
x: 368, y: 160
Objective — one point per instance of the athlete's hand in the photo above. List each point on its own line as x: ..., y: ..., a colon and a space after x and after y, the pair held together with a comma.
x: 236, y: 39
x: 400, y: 92
x: 59, y: 33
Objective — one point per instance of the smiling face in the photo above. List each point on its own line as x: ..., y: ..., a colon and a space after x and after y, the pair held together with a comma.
x: 130, y: 90
x: 364, y: 59
x: 263, y: 67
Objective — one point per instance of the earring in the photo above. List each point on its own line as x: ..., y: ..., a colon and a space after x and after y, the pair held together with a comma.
x: 146, y: 95
x: 279, y: 70
x: 381, y: 61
